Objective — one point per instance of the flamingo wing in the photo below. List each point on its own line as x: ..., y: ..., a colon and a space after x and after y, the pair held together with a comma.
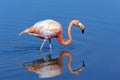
x: 47, y: 28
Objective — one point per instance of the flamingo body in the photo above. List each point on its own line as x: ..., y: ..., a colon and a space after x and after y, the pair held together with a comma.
x: 47, y: 29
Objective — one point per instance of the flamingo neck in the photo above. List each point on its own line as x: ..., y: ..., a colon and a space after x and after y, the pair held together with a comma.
x: 65, y: 53
x: 60, y: 37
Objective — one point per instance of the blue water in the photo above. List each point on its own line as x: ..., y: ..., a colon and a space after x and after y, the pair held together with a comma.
x: 99, y: 46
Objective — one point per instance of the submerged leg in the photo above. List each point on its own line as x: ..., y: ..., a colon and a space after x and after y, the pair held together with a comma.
x: 43, y: 55
x: 50, y: 45
x: 43, y: 43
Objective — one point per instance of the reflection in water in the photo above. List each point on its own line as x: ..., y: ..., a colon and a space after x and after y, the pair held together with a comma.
x: 48, y: 67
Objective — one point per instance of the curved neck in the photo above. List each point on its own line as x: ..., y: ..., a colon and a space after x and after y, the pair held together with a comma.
x: 65, y: 53
x: 60, y: 38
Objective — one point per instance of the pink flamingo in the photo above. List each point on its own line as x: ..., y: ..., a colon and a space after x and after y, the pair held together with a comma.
x: 48, y: 29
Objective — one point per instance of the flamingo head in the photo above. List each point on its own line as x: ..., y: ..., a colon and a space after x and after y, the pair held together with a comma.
x: 78, y: 23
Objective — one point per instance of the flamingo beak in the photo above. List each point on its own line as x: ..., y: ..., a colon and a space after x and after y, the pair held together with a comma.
x: 82, y: 67
x: 82, y: 27
x: 82, y: 31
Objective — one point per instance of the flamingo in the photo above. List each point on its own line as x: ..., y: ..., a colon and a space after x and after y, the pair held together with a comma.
x: 48, y: 29
x: 52, y: 66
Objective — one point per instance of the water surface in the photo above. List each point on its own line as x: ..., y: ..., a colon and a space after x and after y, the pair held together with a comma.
x: 98, y: 47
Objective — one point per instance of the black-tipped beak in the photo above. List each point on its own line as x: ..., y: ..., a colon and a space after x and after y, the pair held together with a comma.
x: 83, y: 64
x: 82, y: 27
x: 82, y: 67
x: 83, y: 31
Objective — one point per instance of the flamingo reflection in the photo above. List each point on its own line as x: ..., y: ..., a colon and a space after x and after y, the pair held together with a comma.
x: 48, y: 67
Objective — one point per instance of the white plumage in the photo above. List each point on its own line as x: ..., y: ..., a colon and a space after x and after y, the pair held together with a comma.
x: 47, y: 28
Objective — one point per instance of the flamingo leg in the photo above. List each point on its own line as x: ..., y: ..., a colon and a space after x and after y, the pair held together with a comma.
x: 50, y: 45
x: 43, y: 44
x: 43, y: 55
